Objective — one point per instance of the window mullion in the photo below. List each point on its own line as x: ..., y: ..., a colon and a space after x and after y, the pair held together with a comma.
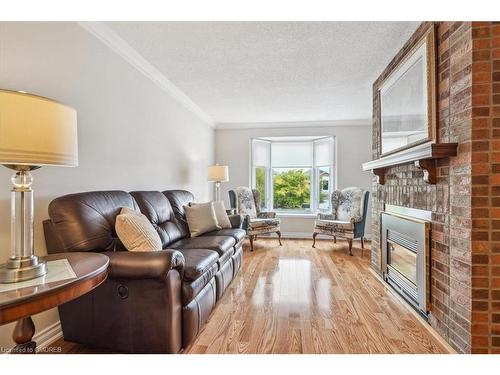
x: 271, y: 187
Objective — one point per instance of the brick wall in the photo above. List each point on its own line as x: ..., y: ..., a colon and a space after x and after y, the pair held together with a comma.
x: 449, y: 199
x: 485, y: 187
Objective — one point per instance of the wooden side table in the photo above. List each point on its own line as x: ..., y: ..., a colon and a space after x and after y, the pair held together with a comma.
x: 20, y: 304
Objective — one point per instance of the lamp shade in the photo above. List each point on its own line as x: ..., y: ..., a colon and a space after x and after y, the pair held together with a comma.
x: 36, y: 131
x: 218, y: 173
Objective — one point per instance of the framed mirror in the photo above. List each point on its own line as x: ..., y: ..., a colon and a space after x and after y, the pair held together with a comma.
x: 407, y: 98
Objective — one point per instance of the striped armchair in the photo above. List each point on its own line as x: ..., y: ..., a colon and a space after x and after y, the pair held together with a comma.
x: 348, y: 216
x: 246, y: 201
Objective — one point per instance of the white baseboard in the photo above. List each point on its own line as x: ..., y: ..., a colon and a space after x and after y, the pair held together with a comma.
x: 308, y: 235
x: 304, y: 235
x: 48, y: 335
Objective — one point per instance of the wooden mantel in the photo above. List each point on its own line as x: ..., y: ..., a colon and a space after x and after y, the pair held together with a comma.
x: 424, y: 156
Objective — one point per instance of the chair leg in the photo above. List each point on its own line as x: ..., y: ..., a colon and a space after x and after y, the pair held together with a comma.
x: 251, y: 242
x: 279, y: 237
x: 334, y: 239
x: 314, y: 239
x: 350, y: 246
x: 362, y: 243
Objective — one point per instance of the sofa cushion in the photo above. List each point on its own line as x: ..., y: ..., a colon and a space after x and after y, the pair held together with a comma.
x: 156, y: 207
x: 223, y: 245
x: 200, y: 267
x: 237, y: 234
x: 190, y: 289
x: 178, y: 199
x: 86, y: 221
x: 334, y: 224
x: 266, y: 222
x: 197, y: 262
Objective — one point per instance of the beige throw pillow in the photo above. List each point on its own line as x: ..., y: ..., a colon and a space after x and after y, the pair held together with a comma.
x: 136, y: 232
x: 221, y: 214
x: 201, y: 218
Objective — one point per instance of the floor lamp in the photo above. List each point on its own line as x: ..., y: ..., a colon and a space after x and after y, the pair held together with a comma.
x: 218, y: 173
x: 35, y: 131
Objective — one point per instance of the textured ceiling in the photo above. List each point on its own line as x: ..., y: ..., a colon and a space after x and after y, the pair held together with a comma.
x: 244, y: 72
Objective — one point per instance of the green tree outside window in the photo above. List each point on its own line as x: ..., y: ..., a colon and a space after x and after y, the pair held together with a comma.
x: 260, y: 185
x: 292, y: 188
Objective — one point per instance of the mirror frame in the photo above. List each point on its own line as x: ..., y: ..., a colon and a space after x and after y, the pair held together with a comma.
x: 428, y: 37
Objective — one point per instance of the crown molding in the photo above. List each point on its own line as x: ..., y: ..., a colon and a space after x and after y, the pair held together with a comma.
x: 107, y: 36
x: 291, y: 124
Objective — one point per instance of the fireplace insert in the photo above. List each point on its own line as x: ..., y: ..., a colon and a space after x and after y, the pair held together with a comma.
x: 405, y: 246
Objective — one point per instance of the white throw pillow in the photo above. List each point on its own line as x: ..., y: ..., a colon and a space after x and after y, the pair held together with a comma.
x: 221, y: 214
x: 136, y: 232
x: 201, y: 218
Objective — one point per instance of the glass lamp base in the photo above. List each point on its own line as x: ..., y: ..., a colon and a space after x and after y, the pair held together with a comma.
x: 21, y: 269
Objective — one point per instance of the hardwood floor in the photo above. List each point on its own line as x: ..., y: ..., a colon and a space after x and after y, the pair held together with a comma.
x: 296, y: 299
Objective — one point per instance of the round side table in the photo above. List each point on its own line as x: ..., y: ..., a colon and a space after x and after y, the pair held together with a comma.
x: 21, y: 303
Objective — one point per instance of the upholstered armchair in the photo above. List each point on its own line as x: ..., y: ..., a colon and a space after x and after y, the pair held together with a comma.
x: 246, y: 201
x: 347, y: 219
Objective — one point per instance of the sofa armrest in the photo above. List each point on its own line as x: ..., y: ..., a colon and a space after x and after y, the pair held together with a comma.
x: 144, y: 264
x: 236, y: 221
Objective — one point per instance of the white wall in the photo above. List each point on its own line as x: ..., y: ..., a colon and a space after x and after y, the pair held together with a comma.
x: 132, y: 135
x: 353, y: 148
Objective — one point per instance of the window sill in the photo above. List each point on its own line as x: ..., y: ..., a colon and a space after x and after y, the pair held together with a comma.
x: 298, y: 215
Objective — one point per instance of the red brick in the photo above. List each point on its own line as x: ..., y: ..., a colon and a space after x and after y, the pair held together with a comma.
x: 480, y: 146
x: 483, y: 66
x: 478, y: 341
x: 482, y: 77
x: 479, y: 317
x: 480, y: 224
x: 481, y: 89
x: 480, y: 247
x: 478, y: 44
x: 480, y: 111
x: 481, y: 100
x: 480, y: 329
x: 480, y: 32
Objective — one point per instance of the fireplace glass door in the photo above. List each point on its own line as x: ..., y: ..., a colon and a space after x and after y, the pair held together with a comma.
x: 403, y: 260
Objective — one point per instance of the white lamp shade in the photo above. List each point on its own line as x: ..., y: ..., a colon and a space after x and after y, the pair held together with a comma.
x: 36, y: 131
x: 218, y: 173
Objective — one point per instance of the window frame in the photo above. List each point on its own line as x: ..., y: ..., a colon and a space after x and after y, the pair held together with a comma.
x: 314, y: 171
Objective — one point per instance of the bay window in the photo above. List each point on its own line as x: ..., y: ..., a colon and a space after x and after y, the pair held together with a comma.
x: 293, y: 174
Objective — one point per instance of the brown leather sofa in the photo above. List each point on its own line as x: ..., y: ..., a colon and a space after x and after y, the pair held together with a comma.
x: 152, y: 302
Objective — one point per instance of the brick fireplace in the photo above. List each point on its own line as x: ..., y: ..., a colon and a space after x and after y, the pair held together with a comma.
x: 465, y: 201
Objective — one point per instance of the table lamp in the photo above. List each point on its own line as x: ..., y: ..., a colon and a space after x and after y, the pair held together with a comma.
x: 218, y: 173
x: 34, y: 131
